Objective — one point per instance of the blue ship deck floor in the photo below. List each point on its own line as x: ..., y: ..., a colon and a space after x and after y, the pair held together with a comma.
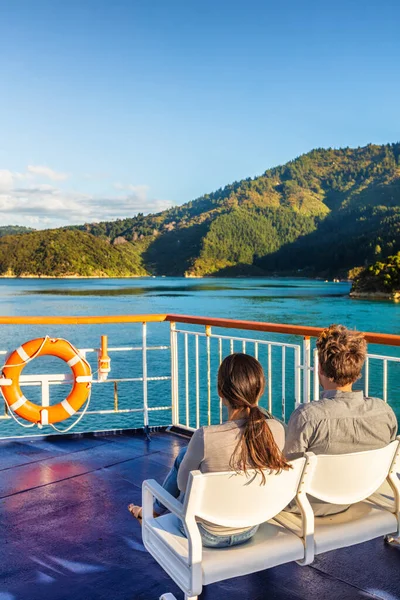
x: 66, y: 532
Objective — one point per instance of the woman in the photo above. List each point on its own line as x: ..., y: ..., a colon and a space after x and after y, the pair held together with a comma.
x: 250, y: 439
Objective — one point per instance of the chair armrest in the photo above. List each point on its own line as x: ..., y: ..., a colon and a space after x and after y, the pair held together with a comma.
x: 307, y: 513
x: 150, y: 490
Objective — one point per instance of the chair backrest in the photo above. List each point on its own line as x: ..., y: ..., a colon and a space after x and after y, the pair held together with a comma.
x: 349, y: 478
x: 241, y: 500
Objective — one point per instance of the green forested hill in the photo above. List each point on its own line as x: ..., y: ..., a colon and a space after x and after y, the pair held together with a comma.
x: 322, y: 213
x: 13, y: 230
x: 60, y: 252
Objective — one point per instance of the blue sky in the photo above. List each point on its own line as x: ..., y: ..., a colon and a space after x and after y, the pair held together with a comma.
x: 108, y: 108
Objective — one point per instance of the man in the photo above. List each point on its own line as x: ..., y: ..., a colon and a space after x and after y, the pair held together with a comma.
x: 343, y: 420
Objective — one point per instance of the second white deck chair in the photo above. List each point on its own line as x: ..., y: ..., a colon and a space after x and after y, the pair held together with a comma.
x: 231, y: 500
x: 352, y: 479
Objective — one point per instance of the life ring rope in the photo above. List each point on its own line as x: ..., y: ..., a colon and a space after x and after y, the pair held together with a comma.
x: 11, y: 412
x: 47, y: 415
x: 20, y: 351
x: 76, y: 421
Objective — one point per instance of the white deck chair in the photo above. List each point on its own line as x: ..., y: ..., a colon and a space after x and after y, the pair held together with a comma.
x: 386, y: 496
x: 353, y: 479
x: 231, y: 500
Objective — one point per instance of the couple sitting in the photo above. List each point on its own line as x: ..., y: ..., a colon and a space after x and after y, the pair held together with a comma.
x: 342, y: 421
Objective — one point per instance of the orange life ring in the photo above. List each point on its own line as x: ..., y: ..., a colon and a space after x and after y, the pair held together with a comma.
x: 49, y: 414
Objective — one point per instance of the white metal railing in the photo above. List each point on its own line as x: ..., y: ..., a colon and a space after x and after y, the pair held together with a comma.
x: 300, y: 376
x: 190, y: 364
x: 195, y: 396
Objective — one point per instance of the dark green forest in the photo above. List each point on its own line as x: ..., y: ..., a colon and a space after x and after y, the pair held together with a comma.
x: 381, y: 277
x: 319, y: 215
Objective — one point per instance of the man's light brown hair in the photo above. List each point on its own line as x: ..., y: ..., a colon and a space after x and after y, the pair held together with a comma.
x: 341, y: 354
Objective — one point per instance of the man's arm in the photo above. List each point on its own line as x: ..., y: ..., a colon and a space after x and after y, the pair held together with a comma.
x: 298, y: 435
x: 193, y: 458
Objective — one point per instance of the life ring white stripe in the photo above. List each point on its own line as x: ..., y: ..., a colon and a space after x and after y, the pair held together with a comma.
x: 6, y: 382
x: 22, y: 354
x: 16, y: 405
x: 67, y: 407
x: 75, y: 359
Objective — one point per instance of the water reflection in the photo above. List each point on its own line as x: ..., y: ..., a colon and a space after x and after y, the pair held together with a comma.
x: 188, y: 288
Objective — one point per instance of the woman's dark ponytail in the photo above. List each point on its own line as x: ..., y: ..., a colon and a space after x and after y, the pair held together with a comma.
x: 241, y: 383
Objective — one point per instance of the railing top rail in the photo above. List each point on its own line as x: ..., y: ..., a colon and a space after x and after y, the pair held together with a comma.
x: 81, y: 320
x: 300, y: 330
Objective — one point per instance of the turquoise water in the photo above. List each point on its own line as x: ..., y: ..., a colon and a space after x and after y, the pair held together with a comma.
x: 295, y: 301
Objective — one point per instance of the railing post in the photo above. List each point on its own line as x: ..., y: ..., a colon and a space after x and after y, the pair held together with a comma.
x: 385, y: 379
x: 220, y: 361
x: 366, y: 375
x: 297, y: 377
x: 306, y: 368
x: 187, y: 380
x: 208, y: 335
x: 197, y: 382
x: 283, y: 383
x: 144, y: 374
x: 115, y: 396
x: 269, y: 379
x: 316, y: 376
x: 174, y: 375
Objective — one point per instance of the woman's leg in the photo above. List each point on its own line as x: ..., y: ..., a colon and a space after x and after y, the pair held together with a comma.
x: 211, y: 540
x: 171, y: 482
x: 240, y: 538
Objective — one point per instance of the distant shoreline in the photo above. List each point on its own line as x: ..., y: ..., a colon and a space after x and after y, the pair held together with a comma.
x: 75, y: 276
x: 274, y: 276
x: 376, y: 295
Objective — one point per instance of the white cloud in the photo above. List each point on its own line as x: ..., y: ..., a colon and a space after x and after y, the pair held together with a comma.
x: 44, y: 206
x: 25, y: 200
x: 6, y: 180
x: 42, y: 171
